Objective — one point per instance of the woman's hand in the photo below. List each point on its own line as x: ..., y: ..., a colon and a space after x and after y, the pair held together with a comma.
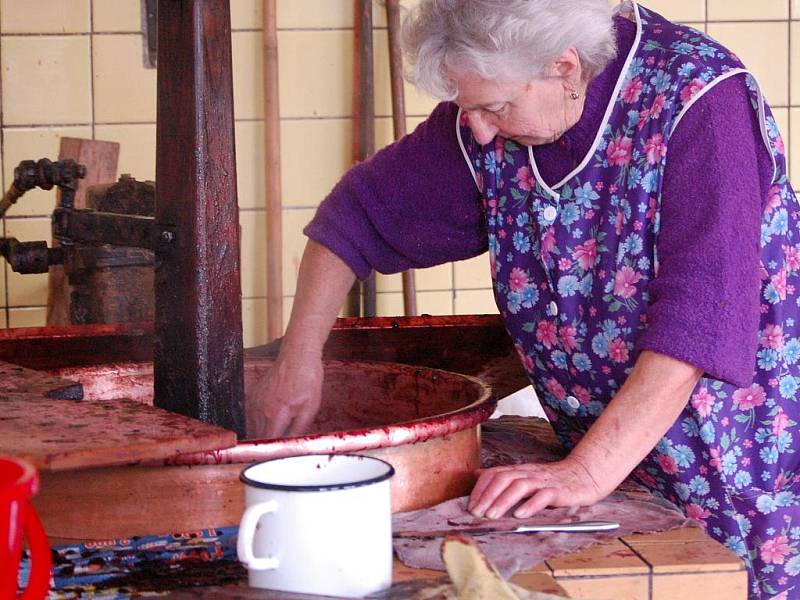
x: 564, y: 483
x: 288, y: 397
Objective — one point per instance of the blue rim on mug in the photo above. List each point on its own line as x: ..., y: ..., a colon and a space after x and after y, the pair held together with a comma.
x: 319, y: 487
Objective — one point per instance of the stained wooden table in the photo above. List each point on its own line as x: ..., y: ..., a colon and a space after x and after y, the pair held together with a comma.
x: 683, y: 563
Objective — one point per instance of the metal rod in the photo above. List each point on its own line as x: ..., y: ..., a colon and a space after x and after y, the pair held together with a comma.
x: 272, y: 171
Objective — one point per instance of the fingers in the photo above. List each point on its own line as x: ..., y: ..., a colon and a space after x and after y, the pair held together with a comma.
x: 492, y: 484
x: 302, y: 422
x: 278, y: 422
x: 539, y: 501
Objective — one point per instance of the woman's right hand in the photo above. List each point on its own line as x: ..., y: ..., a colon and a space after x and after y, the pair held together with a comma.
x: 287, y: 399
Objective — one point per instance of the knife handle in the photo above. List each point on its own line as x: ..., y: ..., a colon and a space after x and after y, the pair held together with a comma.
x: 575, y: 526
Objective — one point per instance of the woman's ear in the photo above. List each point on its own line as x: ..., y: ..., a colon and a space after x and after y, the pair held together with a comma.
x: 568, y: 67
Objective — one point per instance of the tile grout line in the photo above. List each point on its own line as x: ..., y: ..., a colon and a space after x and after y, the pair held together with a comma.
x: 91, y: 63
x: 6, y: 310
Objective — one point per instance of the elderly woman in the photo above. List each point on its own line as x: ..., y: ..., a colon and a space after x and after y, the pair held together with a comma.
x: 630, y: 186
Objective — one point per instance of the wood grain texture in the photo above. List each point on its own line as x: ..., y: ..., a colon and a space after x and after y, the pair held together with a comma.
x: 57, y: 435
x: 198, y: 351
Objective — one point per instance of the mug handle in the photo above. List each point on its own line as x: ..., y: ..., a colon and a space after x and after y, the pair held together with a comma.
x: 247, y: 531
x: 41, y: 562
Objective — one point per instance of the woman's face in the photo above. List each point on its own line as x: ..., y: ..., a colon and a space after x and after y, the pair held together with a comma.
x: 532, y: 113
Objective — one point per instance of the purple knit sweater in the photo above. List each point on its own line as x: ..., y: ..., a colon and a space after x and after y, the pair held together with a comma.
x: 414, y: 205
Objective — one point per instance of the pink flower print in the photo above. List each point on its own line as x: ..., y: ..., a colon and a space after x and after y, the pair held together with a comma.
x: 590, y: 213
x: 619, y: 221
x: 697, y: 512
x: 779, y: 146
x: 668, y: 464
x: 585, y: 254
x: 564, y: 264
x: 527, y: 361
x: 546, y: 333
x: 613, y: 188
x: 650, y: 60
x: 779, y: 283
x: 499, y: 149
x: 792, y: 256
x: 747, y: 443
x: 493, y: 206
x: 725, y: 421
x: 716, y: 459
x: 518, y: 279
x: 637, y: 225
x: 618, y: 350
x: 703, y: 402
x: 747, y: 398
x: 501, y: 234
x: 605, y: 369
x: 548, y: 241
x: 625, y: 281
x: 703, y: 470
x: 555, y: 388
x: 646, y: 478
x: 690, y: 89
x: 592, y: 311
x: 622, y: 320
x: 655, y: 148
x: 773, y: 198
x: 774, y: 550
x: 651, y: 209
x: 567, y: 334
x: 658, y: 105
x: 780, y: 422
x: 773, y: 337
x: 619, y: 151
x: 745, y: 461
x: 644, y: 115
x: 632, y: 91
x: 526, y: 180
x: 581, y: 393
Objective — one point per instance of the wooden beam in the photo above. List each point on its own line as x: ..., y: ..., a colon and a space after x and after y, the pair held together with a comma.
x: 198, y: 350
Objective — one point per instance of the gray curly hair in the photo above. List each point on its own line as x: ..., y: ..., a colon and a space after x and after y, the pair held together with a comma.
x: 512, y: 40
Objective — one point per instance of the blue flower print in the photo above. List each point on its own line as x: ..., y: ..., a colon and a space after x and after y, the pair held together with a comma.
x: 742, y: 479
x: 767, y: 359
x: 522, y: 243
x: 660, y: 81
x: 633, y: 244
x: 559, y: 358
x: 514, y: 302
x: 581, y: 361
x: 766, y: 504
x: 791, y: 351
x: 569, y: 214
x: 523, y: 219
x: 708, y: 432
x: 780, y: 222
x: 530, y: 296
x: 787, y: 386
x: 585, y: 195
x: 568, y: 285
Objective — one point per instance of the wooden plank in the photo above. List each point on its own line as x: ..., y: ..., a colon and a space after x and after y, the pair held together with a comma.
x: 613, y: 558
x: 101, y: 160
x: 16, y: 380
x: 199, y: 369
x: 708, y: 586
x: 688, y: 557
x: 628, y: 587
x: 59, y: 434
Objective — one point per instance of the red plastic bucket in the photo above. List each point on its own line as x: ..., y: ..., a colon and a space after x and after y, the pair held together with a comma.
x: 18, y: 483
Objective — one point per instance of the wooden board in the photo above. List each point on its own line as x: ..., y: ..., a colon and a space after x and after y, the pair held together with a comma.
x: 43, y: 420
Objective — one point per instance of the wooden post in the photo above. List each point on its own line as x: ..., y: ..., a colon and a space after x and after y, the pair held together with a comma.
x: 364, y: 113
x: 272, y: 171
x: 399, y: 124
x: 198, y: 351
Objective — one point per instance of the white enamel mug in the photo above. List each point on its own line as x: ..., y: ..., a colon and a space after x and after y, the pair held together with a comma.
x: 318, y: 524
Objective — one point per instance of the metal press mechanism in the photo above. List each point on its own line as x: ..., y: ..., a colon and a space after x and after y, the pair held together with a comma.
x: 107, y: 249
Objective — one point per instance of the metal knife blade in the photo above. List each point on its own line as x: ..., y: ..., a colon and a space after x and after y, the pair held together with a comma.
x: 575, y: 526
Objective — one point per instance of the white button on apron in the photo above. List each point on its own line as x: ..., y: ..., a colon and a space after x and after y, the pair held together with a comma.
x: 550, y: 213
x: 573, y: 402
x: 553, y: 308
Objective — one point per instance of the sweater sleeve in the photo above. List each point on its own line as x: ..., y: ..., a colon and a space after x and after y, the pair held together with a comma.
x: 704, y: 301
x: 414, y: 204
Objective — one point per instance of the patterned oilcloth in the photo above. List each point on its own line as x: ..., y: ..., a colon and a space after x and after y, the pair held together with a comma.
x: 573, y: 265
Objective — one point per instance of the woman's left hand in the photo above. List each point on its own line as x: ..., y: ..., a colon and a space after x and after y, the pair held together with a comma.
x: 564, y: 483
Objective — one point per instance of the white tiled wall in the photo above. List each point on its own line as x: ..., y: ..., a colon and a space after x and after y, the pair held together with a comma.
x: 75, y: 67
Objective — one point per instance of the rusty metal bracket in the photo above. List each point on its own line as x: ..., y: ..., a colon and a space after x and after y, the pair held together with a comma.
x: 89, y: 226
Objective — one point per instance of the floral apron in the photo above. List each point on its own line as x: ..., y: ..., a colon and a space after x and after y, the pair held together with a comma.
x: 571, y: 266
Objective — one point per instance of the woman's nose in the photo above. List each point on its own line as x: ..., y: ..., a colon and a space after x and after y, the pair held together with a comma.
x: 484, y: 132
